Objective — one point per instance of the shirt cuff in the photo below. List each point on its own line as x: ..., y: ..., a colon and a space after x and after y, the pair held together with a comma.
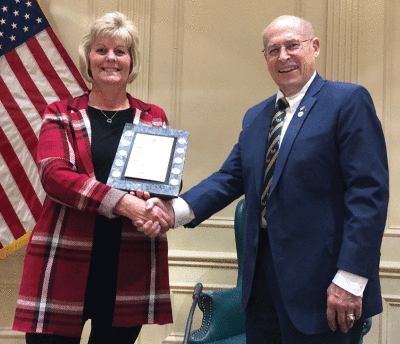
x: 352, y: 283
x: 183, y: 212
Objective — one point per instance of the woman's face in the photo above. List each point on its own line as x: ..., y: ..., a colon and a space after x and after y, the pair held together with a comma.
x: 109, y: 61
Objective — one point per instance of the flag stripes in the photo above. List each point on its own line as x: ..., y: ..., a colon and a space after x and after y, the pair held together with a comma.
x: 16, y: 114
x: 14, y: 226
x: 33, y: 73
x: 65, y: 66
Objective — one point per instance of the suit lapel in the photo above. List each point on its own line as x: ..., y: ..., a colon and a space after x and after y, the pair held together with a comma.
x: 294, y: 127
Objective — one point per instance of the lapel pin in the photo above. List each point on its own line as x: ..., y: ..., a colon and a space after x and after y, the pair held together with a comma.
x: 301, y: 113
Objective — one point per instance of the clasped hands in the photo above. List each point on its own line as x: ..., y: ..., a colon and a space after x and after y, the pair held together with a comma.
x: 152, y: 216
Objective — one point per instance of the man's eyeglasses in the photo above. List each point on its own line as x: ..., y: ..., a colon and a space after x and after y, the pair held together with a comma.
x: 290, y: 47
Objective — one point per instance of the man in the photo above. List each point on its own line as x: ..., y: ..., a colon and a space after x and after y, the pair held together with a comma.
x: 316, y: 203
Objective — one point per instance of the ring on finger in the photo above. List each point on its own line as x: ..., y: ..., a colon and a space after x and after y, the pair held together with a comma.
x: 351, y: 317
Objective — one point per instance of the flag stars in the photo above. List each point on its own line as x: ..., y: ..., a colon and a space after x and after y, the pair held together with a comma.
x: 14, y: 26
x: 39, y: 20
x: 27, y: 16
x: 17, y: 1
x: 28, y: 3
x: 2, y: 21
x: 16, y: 13
x: 26, y: 29
x: 4, y: 8
x: 12, y: 38
x: 1, y: 34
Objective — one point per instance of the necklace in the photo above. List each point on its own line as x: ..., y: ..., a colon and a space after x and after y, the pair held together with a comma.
x: 109, y: 119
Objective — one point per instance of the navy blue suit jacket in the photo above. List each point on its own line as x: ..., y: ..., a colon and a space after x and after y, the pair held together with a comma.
x: 328, y: 200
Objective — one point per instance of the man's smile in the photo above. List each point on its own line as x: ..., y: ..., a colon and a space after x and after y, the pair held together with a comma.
x: 288, y: 69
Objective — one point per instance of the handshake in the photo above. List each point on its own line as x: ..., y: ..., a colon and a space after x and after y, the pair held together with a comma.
x: 151, y: 216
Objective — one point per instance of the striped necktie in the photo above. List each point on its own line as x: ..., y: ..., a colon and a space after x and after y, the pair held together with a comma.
x: 272, y: 150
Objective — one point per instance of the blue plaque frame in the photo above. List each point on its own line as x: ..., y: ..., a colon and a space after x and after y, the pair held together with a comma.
x: 170, y: 188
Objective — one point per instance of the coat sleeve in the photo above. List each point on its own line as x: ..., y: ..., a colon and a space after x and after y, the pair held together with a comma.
x: 363, y: 161
x: 58, y: 166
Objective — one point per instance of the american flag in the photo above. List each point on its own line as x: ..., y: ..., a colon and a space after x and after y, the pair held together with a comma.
x: 35, y: 70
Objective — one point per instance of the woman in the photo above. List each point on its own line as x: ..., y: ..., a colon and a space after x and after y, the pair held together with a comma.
x: 85, y: 259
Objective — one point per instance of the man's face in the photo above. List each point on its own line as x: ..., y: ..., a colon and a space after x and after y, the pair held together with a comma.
x: 290, y: 55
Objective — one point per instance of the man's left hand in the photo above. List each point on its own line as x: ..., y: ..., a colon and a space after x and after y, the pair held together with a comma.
x: 341, y: 303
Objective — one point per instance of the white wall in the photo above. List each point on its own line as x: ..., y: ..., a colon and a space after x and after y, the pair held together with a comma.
x: 203, y: 64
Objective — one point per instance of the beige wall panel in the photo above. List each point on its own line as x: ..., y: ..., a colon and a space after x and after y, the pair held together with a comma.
x: 385, y: 326
x: 69, y: 20
x: 203, y: 65
x: 214, y: 236
x: 392, y: 125
x: 218, y: 73
x: 10, y: 279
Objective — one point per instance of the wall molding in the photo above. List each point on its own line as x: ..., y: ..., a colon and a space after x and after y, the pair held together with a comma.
x: 186, y: 288
x: 177, y: 63
x: 218, y: 222
x: 387, y: 101
x: 218, y: 260
x: 139, y: 12
x: 299, y: 8
x: 174, y: 338
x: 389, y: 269
x: 9, y: 334
x: 392, y: 232
x: 342, y: 40
x: 389, y: 303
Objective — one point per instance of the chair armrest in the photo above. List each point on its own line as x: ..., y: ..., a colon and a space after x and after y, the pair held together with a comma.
x: 222, y: 317
x: 366, y: 327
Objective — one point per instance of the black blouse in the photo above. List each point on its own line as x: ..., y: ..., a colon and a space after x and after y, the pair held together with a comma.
x: 102, y: 281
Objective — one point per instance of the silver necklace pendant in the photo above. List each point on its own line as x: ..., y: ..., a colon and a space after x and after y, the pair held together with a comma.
x: 109, y: 119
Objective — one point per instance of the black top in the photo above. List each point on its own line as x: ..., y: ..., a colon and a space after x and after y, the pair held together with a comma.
x: 105, y: 138
x: 102, y: 281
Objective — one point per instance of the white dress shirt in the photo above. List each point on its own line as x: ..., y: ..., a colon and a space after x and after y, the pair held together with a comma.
x: 184, y: 214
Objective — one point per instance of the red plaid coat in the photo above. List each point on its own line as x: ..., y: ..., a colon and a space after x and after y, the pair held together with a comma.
x: 58, y: 255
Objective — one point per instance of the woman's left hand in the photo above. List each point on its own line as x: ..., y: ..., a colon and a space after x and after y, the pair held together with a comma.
x: 141, y: 194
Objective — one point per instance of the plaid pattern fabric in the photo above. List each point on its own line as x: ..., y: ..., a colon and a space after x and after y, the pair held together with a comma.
x: 58, y: 255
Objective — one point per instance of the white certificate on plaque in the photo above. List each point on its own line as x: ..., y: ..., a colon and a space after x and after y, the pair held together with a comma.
x: 150, y: 157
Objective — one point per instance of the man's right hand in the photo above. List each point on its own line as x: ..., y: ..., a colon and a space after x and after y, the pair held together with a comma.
x: 149, y: 227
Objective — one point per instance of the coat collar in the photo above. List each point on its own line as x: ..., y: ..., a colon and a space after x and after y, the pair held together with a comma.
x: 78, y: 107
x: 82, y: 102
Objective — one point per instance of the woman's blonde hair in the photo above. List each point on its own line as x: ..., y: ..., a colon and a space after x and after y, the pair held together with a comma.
x: 115, y: 25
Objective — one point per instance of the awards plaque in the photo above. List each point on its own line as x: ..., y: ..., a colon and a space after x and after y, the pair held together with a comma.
x: 149, y: 159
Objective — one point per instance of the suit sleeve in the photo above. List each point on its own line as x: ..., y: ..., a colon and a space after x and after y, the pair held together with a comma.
x: 364, y: 166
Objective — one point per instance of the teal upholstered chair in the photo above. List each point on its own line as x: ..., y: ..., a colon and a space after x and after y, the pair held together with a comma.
x: 366, y: 328
x: 223, y: 322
